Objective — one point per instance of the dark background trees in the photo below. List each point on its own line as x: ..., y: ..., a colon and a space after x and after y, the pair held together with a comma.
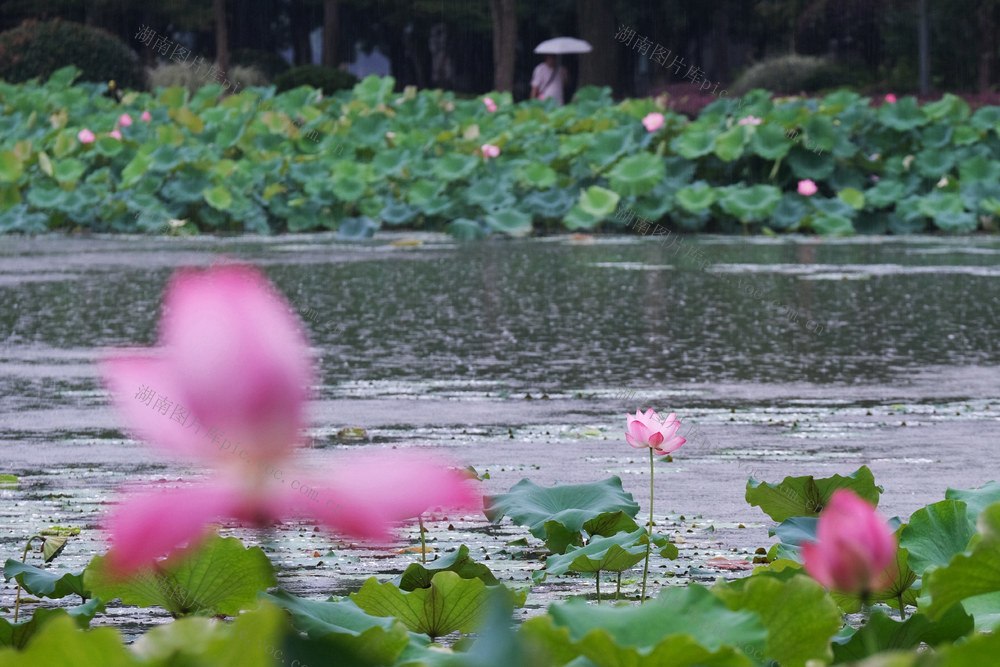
x: 476, y: 45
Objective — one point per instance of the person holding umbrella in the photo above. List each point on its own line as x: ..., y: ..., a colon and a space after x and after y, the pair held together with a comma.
x: 549, y: 77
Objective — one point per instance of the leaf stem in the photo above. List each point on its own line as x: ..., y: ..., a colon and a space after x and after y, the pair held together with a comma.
x: 649, y: 543
x: 423, y: 545
x: 598, y: 587
x: 902, y: 607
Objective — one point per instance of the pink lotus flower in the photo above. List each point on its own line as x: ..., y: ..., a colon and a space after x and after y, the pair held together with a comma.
x: 648, y: 430
x: 116, y: 134
x: 125, y: 120
x: 855, y: 550
x: 749, y: 120
x: 489, y: 150
x: 807, y: 188
x: 491, y: 106
x: 85, y: 136
x: 227, y: 385
x: 653, y: 121
x: 890, y: 98
x: 145, y: 116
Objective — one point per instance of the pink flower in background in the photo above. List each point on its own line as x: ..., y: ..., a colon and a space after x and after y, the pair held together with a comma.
x: 875, y: 178
x: 125, y: 120
x: 238, y: 381
x: 116, y: 134
x: 648, y: 430
x: 85, y: 136
x: 855, y: 549
x: 749, y: 120
x: 653, y: 121
x: 489, y: 150
x: 491, y: 106
x: 890, y: 98
x: 145, y: 116
x: 807, y: 188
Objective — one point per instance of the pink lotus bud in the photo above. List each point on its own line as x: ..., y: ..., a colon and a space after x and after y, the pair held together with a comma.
x: 85, y: 136
x: 145, y: 116
x: 116, y: 134
x: 653, y: 121
x: 125, y: 120
x: 807, y: 188
x: 890, y: 98
x: 749, y: 120
x: 855, y: 550
x: 489, y: 150
x: 649, y: 430
x: 491, y: 106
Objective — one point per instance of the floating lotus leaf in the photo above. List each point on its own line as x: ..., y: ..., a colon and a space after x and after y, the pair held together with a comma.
x: 510, y: 221
x: 832, y: 225
x: 806, y: 496
x: 420, y: 576
x: 637, y: 174
x: 750, y: 204
x: 903, y: 115
x: 569, y: 505
x: 615, y: 553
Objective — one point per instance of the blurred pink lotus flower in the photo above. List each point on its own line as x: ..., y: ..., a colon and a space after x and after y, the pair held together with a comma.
x: 653, y: 121
x: 491, y: 106
x: 232, y: 373
x: 807, y: 188
x: 890, y: 98
x: 85, y: 136
x: 749, y: 120
x: 489, y: 150
x: 116, y: 134
x: 855, y: 551
x: 125, y: 120
x: 145, y: 116
x: 648, y: 430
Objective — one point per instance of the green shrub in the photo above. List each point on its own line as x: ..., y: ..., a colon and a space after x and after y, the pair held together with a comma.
x: 37, y: 49
x: 182, y: 75
x: 327, y: 79
x: 270, y: 64
x: 791, y: 74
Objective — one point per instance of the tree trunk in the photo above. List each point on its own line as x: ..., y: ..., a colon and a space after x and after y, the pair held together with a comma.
x: 331, y: 30
x: 924, y: 49
x: 504, y: 13
x: 221, y: 35
x: 987, y: 45
x: 301, y: 47
x: 596, y: 25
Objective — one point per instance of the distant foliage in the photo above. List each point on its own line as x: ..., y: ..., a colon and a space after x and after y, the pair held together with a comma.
x: 37, y: 49
x: 791, y: 74
x: 270, y: 64
x: 327, y: 79
x: 188, y: 77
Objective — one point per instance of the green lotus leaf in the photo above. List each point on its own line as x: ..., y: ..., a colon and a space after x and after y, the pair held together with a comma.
x: 10, y: 167
x: 790, y: 212
x: 189, y: 119
x: 53, y: 637
x: 903, y: 115
x: 551, y: 203
x: 976, y: 500
x: 45, y: 583
x: 135, y: 170
x: 604, y: 148
x: 933, y: 163
x: 950, y: 107
x: 806, y: 496
x: 810, y: 164
x: 598, y: 202
x: 694, y: 142
x: 345, y: 628
x: 832, y: 225
x: 68, y: 170
x: 979, y: 168
x: 173, y: 97
x: 936, y: 135
x: 967, y: 574
x: 570, y: 505
x: 885, y: 193
x: 616, y: 553
x: 769, y: 142
x: 423, y: 191
x: 466, y: 230
x: 558, y: 537
x: 852, y: 197
x: 750, y: 204
x: 697, y: 197
x: 729, y: 144
x: 792, y: 533
x: 397, y: 213
x: 936, y: 533
x: 218, y: 198
x: 374, y: 90
x: 450, y: 603
x: 388, y: 162
x: 459, y: 562
x: 454, y: 166
x: 793, y: 638
x: 510, y: 221
x: 108, y: 146
x: 63, y: 78
x: 356, y: 229
x: 218, y: 575
x: 819, y: 132
x: 536, y: 175
x: 637, y: 174
x: 881, y: 633
x: 348, y: 189
x: 986, y: 118
x: 939, y: 203
x: 959, y: 222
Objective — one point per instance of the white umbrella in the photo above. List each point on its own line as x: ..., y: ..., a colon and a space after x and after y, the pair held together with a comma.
x: 560, y: 45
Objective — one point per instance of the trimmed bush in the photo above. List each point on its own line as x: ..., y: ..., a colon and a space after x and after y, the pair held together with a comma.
x: 327, y: 79
x: 270, y: 64
x: 37, y: 49
x: 182, y: 75
x: 791, y: 74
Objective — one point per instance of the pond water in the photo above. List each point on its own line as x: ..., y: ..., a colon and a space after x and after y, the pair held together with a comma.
x: 781, y: 356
